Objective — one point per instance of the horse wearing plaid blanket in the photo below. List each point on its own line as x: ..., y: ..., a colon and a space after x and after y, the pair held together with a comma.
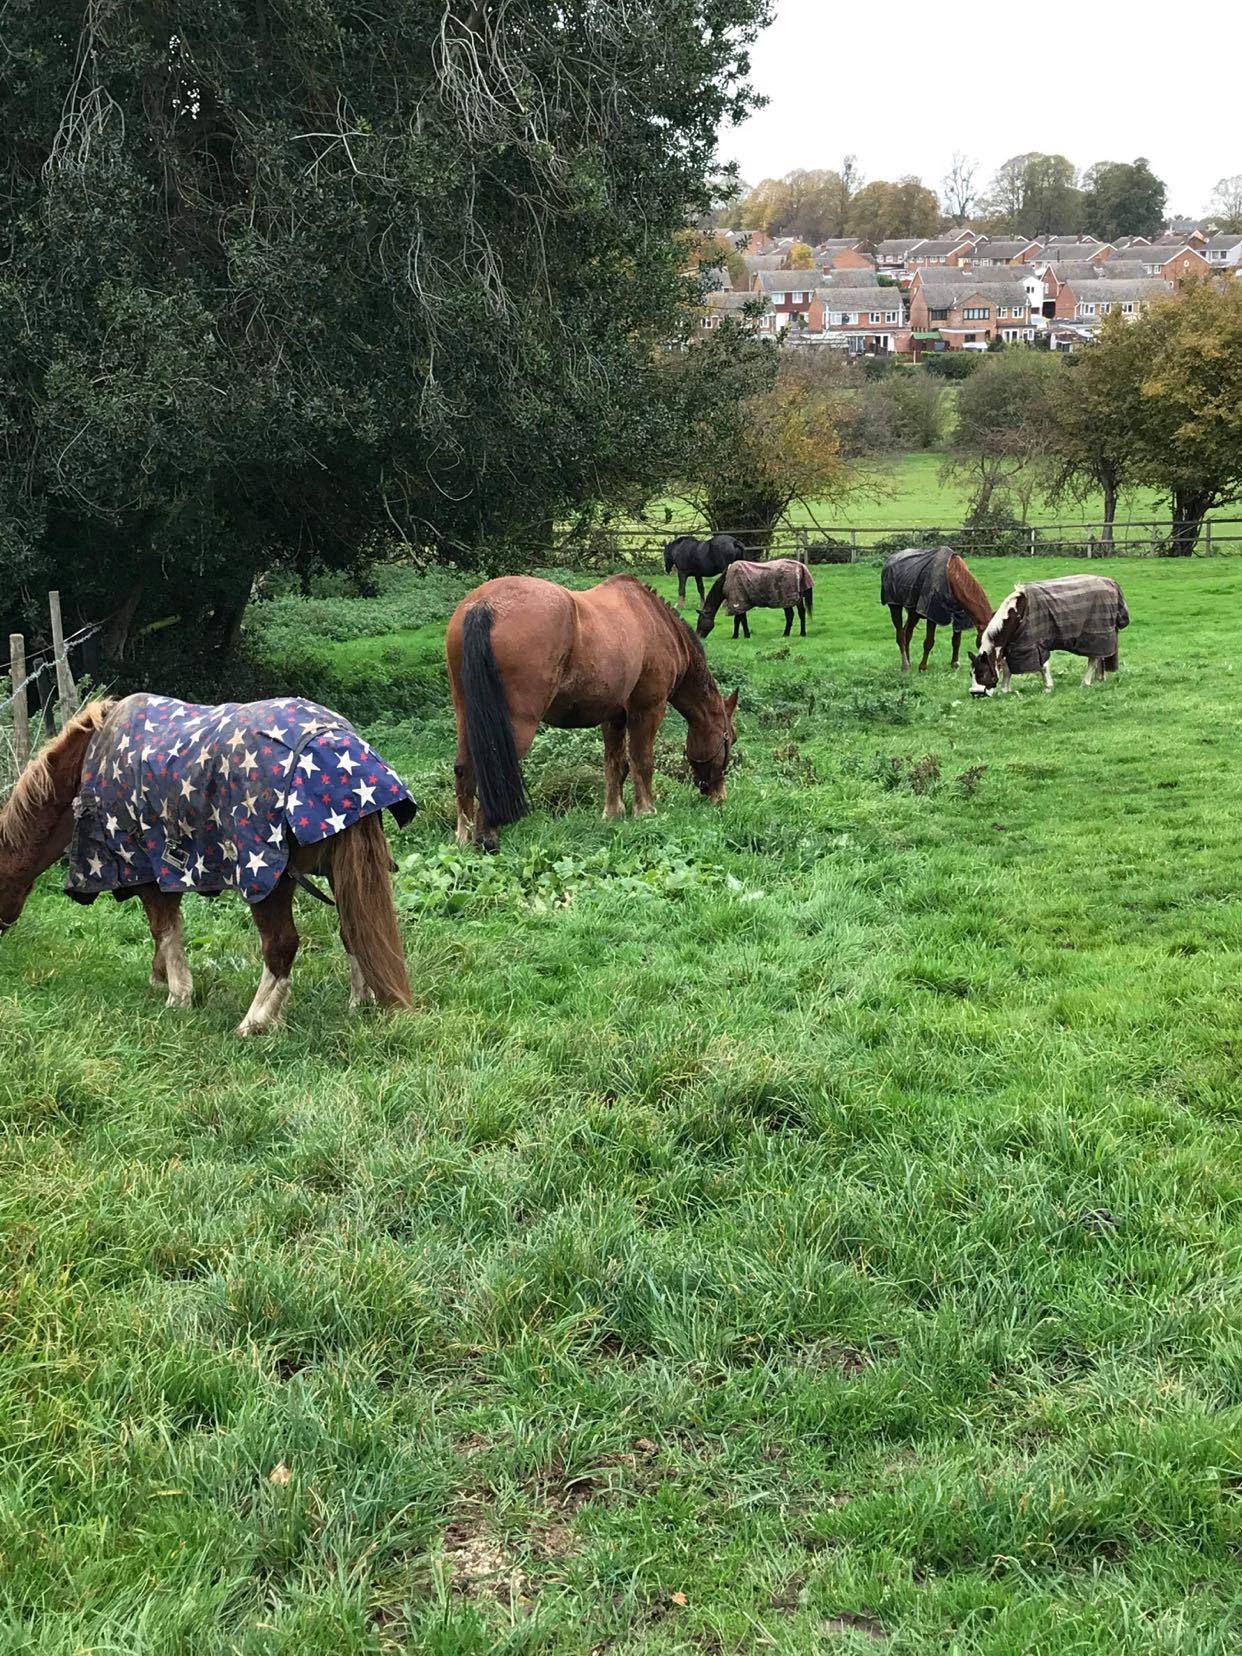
x: 154, y: 798
x: 1079, y: 613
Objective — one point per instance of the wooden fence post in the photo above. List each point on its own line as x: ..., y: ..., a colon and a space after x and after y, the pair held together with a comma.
x: 1207, y: 530
x: 66, y: 689
x: 21, y: 715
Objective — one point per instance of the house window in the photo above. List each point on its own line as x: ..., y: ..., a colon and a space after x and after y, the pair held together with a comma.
x: 976, y: 313
x: 1128, y: 308
x: 875, y: 316
x: 939, y: 315
x: 890, y: 316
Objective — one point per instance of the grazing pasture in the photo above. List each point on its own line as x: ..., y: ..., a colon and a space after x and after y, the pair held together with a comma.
x: 809, y: 1224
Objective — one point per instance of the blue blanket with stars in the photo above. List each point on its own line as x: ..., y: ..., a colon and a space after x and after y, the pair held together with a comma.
x: 211, y: 799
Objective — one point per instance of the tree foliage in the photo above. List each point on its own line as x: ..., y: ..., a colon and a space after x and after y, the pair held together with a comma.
x: 1003, y: 427
x: 882, y: 210
x: 1122, y: 198
x: 1091, y: 421
x: 1034, y: 195
x: 1185, y: 404
x: 768, y: 431
x: 812, y: 204
x: 1227, y: 205
x: 277, y: 279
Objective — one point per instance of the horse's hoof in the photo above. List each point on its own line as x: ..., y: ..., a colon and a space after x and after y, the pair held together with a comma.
x: 179, y: 1003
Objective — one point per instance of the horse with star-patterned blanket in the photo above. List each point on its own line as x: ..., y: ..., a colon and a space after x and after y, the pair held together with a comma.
x: 155, y: 798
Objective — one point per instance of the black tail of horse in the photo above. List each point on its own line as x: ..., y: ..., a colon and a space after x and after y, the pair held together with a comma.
x: 808, y: 598
x: 489, y: 729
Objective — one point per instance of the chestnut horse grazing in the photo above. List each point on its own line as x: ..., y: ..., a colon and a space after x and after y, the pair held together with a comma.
x: 154, y: 798
x: 933, y: 585
x: 524, y: 652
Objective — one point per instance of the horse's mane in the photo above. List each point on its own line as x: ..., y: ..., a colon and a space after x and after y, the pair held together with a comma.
x: 36, y: 785
x: 666, y: 610
x: 969, y: 588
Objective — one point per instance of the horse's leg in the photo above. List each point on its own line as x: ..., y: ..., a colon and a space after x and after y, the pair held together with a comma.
x: 912, y: 622
x: 745, y: 623
x: 681, y: 589
x: 899, y: 632
x: 957, y: 648
x: 1005, y: 678
x: 698, y: 581
x: 802, y: 617
x: 642, y: 725
x: 169, y: 966
x: 789, y: 619
x: 737, y: 626
x: 279, y: 937
x: 463, y: 776
x: 929, y: 639
x: 616, y: 766
x: 1047, y: 672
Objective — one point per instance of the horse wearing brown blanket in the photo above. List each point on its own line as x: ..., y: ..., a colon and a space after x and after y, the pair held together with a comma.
x: 780, y: 583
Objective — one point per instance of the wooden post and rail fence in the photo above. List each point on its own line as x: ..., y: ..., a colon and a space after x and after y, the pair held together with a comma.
x: 828, y: 543
x: 26, y: 674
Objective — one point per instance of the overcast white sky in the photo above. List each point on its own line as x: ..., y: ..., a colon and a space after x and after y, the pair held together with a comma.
x: 903, y: 86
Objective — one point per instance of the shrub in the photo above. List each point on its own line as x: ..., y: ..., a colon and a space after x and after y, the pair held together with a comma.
x: 952, y: 365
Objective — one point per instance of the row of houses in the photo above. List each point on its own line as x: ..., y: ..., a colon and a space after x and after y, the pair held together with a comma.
x: 964, y: 292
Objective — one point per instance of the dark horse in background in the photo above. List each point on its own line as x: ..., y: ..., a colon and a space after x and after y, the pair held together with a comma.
x: 698, y: 558
x: 524, y: 652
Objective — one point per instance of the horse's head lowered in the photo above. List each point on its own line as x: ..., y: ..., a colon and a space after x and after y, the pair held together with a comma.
x: 998, y: 635
x: 708, y: 755
x: 984, y: 672
x: 36, y: 823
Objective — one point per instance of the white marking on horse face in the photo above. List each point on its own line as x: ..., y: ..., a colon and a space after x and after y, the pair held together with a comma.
x: 995, y: 626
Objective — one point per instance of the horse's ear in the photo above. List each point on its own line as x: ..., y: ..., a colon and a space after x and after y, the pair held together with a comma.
x: 731, y: 703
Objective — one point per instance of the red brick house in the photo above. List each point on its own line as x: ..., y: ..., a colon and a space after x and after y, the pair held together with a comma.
x: 864, y: 320
x: 1173, y: 264
x: 992, y: 252
x: 1062, y: 282
x: 1095, y: 298
x: 844, y: 253
x: 942, y: 250
x: 788, y: 292
x: 968, y: 309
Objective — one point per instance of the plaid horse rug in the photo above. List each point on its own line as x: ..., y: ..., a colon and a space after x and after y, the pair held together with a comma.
x: 210, y: 799
x: 1079, y: 613
x: 918, y: 580
x: 780, y: 583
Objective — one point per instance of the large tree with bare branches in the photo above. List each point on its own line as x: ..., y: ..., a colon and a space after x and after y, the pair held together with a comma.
x: 276, y: 279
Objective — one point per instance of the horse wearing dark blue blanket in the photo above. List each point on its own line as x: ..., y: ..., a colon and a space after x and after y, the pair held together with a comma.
x: 155, y: 798
x: 698, y: 558
x: 1079, y: 613
x: 935, y: 586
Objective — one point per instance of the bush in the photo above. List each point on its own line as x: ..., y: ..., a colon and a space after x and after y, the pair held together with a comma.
x: 830, y: 551
x: 952, y: 365
x: 996, y: 533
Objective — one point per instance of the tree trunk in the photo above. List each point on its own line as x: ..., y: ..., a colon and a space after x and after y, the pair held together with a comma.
x: 1190, y: 507
x: 1110, y: 512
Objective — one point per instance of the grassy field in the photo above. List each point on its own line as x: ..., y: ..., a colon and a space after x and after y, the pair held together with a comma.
x: 915, y: 498
x: 807, y: 1225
